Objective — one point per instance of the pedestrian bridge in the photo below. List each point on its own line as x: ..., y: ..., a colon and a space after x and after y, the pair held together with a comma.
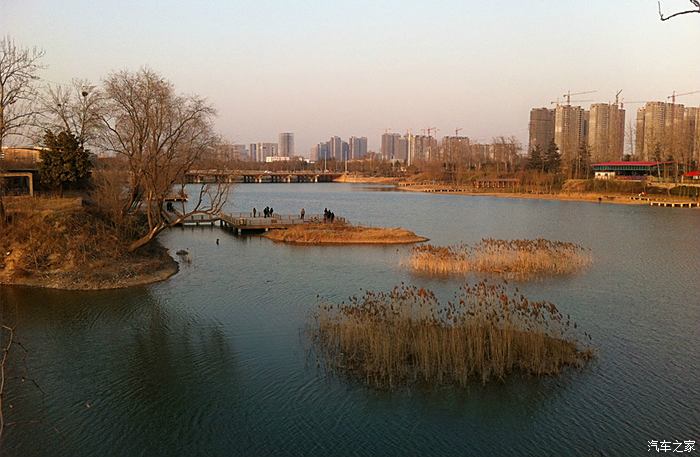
x: 243, y: 222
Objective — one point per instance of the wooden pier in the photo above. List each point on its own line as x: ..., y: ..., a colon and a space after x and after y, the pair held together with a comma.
x: 675, y: 204
x: 243, y: 222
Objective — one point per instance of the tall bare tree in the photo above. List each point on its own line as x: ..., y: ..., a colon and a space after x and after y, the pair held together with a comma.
x: 695, y: 9
x: 77, y: 109
x: 19, y: 68
x: 160, y: 134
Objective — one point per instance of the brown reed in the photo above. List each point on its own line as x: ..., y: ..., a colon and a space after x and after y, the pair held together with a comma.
x: 406, y: 336
x: 518, y: 259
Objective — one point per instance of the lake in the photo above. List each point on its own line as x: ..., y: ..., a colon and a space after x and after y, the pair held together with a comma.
x: 216, y: 360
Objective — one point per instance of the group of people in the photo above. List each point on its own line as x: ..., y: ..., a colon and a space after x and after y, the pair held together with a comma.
x: 267, y: 212
x: 328, y: 215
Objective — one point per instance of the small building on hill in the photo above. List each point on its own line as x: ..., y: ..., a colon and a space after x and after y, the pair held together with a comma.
x: 21, y: 154
x: 632, y: 170
x: 692, y: 176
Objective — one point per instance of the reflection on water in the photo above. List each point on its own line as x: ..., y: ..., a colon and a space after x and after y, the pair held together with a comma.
x: 214, y: 361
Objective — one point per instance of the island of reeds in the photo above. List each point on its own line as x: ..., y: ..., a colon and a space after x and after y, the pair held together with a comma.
x: 407, y: 336
x: 515, y: 259
x: 343, y: 233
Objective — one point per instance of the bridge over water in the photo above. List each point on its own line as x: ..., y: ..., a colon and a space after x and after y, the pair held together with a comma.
x: 258, y: 176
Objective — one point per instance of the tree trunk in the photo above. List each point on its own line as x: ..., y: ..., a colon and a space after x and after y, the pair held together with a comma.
x: 147, y: 238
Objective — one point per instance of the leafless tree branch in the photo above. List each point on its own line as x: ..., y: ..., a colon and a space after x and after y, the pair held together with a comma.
x: 696, y: 4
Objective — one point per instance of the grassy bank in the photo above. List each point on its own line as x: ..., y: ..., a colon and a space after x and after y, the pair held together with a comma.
x: 59, y: 243
x: 406, y: 336
x: 521, y: 259
x: 343, y: 233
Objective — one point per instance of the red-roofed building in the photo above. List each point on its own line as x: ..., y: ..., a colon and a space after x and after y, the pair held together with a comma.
x: 692, y: 175
x: 631, y: 170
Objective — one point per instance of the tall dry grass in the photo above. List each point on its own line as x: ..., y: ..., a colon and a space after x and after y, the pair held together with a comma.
x: 343, y: 233
x: 520, y: 259
x: 406, y: 336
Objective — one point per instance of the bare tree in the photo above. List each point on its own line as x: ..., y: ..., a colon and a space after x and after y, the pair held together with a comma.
x: 76, y: 109
x: 160, y: 134
x: 696, y: 9
x: 19, y: 68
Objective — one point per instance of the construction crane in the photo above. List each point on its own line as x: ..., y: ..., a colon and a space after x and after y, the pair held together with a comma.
x: 617, y: 97
x: 431, y: 129
x: 622, y: 102
x: 568, y: 102
x: 568, y: 95
x: 457, y: 130
x: 674, y: 95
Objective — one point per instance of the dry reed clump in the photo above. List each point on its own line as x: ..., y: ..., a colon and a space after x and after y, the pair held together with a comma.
x: 343, y: 233
x: 407, y: 336
x: 520, y: 259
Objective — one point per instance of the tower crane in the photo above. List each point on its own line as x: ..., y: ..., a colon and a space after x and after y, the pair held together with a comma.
x: 674, y: 95
x: 623, y: 102
x: 457, y: 130
x: 568, y: 95
x: 617, y: 97
x: 568, y: 102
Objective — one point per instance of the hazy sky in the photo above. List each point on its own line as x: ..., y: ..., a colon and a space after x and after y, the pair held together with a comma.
x: 322, y: 68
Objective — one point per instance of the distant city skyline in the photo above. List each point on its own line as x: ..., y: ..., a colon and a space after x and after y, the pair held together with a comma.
x: 479, y: 66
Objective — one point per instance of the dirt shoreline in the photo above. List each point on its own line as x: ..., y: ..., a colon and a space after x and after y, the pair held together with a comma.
x: 60, y: 243
x: 366, y: 179
x: 610, y: 198
x: 121, y: 275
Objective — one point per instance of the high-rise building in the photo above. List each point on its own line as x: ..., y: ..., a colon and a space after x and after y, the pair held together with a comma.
x: 606, y: 132
x: 666, y: 130
x: 286, y: 144
x: 390, y: 144
x: 335, y: 146
x: 253, y: 152
x: 240, y: 152
x: 456, y: 149
x: 570, y: 130
x: 260, y: 151
x: 358, y: 147
x: 541, y: 128
x: 321, y: 151
x: 401, y: 148
x: 692, y: 123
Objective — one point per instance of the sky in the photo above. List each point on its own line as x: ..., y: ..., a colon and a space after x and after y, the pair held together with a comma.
x: 357, y: 68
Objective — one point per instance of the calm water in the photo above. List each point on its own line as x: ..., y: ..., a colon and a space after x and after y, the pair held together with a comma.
x: 215, y: 362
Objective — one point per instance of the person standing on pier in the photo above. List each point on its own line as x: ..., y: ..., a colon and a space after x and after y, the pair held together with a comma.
x: 254, y: 212
x: 302, y: 214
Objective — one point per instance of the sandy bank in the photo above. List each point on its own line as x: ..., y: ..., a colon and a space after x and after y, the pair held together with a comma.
x: 366, y: 179
x: 613, y: 198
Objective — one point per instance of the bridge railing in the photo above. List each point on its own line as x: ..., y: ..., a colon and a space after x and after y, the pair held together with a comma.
x: 247, y: 219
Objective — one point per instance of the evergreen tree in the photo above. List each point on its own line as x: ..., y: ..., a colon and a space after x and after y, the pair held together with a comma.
x: 552, y: 159
x: 64, y: 163
x: 534, y: 161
